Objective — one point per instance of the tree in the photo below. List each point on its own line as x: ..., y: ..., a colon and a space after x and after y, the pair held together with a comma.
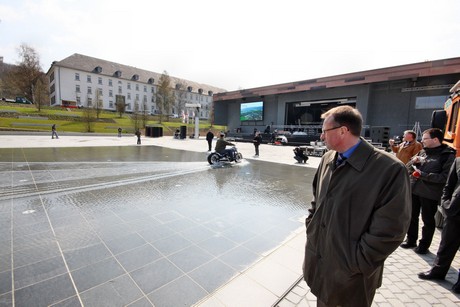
x: 5, y: 88
x: 120, y: 104
x: 89, y: 115
x: 28, y: 71
x: 98, y: 105
x: 181, y: 95
x: 164, y: 95
x: 40, y: 93
x: 136, y: 116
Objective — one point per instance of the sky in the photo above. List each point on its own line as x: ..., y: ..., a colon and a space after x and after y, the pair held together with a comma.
x: 236, y: 44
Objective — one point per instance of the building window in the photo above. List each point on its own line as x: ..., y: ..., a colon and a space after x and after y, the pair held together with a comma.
x: 52, y: 77
x: 129, y: 85
x: 52, y: 88
x: 129, y: 96
x: 119, y: 82
x: 88, y: 78
x: 145, y: 98
x: 90, y: 90
x: 77, y: 88
x: 119, y: 90
x: 53, y: 100
x: 78, y: 100
x: 110, y: 82
x: 77, y: 76
x: 430, y: 102
x: 128, y: 106
x: 137, y: 87
x: 153, y: 89
x: 111, y: 104
x: 153, y: 99
x: 145, y: 88
x: 99, y: 80
x: 99, y: 90
x: 90, y: 102
x: 110, y: 93
x: 137, y: 97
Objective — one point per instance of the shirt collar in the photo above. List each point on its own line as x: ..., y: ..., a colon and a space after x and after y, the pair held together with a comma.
x: 347, y: 154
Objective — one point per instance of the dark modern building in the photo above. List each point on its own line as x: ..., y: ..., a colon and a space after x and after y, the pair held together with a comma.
x: 391, y: 100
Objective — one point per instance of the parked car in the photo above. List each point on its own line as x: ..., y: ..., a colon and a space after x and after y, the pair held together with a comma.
x: 22, y: 100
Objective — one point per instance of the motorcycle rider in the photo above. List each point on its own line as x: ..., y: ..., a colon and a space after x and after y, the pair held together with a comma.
x: 221, y: 144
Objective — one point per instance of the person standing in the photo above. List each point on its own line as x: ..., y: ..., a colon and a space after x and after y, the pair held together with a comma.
x: 257, y: 141
x: 54, y: 132
x: 274, y: 136
x: 450, y: 239
x: 408, y: 148
x: 119, y: 132
x: 138, y: 134
x: 432, y: 166
x: 209, y: 138
x: 360, y: 213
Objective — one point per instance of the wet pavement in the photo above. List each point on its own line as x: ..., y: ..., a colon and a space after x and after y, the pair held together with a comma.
x: 137, y: 225
x: 154, y: 224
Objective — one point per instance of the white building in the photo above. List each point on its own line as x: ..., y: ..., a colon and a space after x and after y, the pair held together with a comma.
x: 80, y: 80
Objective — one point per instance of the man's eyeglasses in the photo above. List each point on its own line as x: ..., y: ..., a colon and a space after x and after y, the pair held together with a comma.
x: 333, y: 128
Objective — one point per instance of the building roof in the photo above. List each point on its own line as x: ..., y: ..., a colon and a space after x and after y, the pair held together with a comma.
x: 410, y: 71
x: 107, y: 68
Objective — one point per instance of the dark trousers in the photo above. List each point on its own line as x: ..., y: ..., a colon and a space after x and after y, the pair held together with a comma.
x: 428, y: 208
x: 209, y: 144
x: 450, y: 243
x: 257, y: 149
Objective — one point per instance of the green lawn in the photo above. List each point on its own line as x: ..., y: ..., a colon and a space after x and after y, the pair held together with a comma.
x: 27, y: 118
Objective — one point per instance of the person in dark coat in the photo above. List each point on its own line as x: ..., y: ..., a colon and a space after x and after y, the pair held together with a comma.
x: 360, y: 213
x: 432, y: 167
x: 299, y: 155
x: 221, y: 145
x: 450, y: 239
x: 209, y: 138
x: 119, y: 132
x: 54, y: 132
x: 138, y: 134
x: 257, y: 141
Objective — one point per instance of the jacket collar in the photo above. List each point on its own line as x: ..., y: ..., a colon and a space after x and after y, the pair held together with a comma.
x: 359, y: 157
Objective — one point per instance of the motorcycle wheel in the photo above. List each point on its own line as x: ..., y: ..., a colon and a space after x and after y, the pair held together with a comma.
x: 239, y: 157
x: 213, y: 158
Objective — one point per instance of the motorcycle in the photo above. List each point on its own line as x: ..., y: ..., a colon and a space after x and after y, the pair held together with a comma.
x: 215, y: 157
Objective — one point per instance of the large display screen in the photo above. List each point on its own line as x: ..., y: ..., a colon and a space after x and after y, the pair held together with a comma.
x: 252, y: 111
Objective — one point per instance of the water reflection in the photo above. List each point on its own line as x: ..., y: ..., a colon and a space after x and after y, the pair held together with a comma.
x: 132, y: 209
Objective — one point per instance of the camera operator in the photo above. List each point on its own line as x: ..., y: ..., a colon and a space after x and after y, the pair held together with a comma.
x: 408, y: 148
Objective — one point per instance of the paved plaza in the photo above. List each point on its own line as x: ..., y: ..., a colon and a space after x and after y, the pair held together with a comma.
x: 101, y: 221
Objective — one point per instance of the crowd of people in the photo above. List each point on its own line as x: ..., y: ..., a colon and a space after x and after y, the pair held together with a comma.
x: 434, y: 174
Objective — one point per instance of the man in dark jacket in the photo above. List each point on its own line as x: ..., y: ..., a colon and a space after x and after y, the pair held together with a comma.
x: 221, y: 145
x: 209, y: 138
x: 450, y: 239
x: 257, y: 141
x: 359, y: 216
x: 431, y: 167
